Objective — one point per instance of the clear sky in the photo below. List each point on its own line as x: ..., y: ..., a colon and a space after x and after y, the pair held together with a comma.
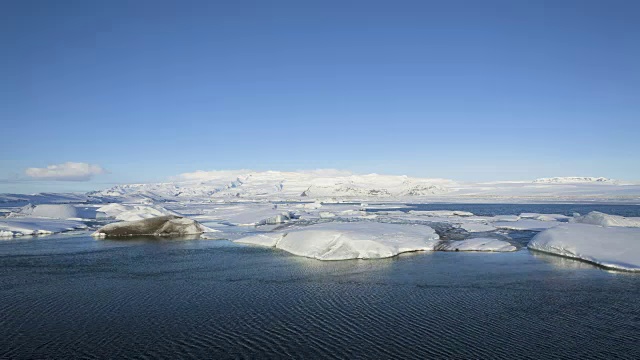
x: 469, y: 90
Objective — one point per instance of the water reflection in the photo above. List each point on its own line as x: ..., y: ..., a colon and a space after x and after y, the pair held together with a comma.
x: 564, y: 263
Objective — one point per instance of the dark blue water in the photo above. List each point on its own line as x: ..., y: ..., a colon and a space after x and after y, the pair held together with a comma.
x: 515, y: 209
x: 76, y: 297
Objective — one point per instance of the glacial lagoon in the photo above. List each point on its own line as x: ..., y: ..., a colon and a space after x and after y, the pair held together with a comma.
x: 74, y: 296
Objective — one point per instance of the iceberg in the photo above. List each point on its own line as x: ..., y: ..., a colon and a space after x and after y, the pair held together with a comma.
x: 21, y: 226
x: 545, y: 217
x: 610, y: 247
x: 158, y: 226
x: 602, y: 219
x: 476, y: 227
x: 476, y: 244
x: 350, y: 240
x: 440, y: 213
x: 526, y: 224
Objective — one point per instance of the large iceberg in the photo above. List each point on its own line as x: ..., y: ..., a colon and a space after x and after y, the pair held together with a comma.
x: 169, y: 225
x: 350, y: 240
x: 610, y: 247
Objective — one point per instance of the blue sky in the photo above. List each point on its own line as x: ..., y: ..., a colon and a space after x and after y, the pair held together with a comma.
x: 469, y: 90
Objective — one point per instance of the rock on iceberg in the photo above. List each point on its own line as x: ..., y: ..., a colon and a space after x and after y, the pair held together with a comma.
x: 158, y: 226
x: 610, y: 247
x: 350, y: 240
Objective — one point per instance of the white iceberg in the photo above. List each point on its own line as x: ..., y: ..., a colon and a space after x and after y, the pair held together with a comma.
x: 440, y: 213
x: 351, y: 240
x: 602, y: 219
x: 526, y: 224
x: 476, y: 227
x: 610, y: 247
x: 545, y: 217
x: 476, y: 244
x: 159, y: 226
x: 21, y: 226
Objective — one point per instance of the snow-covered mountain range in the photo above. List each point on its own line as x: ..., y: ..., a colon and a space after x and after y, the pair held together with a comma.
x: 327, y: 185
x: 283, y: 185
x: 332, y: 184
x: 576, y: 180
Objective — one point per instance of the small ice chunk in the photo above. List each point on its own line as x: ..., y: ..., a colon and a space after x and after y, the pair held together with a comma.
x: 326, y: 214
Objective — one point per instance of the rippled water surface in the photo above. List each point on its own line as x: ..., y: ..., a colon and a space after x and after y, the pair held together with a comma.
x: 72, y: 296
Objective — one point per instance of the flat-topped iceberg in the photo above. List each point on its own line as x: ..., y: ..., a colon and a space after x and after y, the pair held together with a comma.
x: 350, y: 240
x: 610, y: 247
x: 169, y: 225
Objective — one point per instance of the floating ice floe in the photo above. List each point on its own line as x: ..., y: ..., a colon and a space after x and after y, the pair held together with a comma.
x: 477, y: 227
x: 56, y: 211
x: 20, y: 226
x: 366, y: 240
x: 476, y: 244
x: 440, y: 213
x: 353, y: 240
x: 545, y: 217
x: 526, y: 224
x: 602, y: 219
x: 610, y: 247
x: 169, y: 225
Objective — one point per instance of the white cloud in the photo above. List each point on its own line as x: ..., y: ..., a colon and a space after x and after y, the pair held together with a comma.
x: 69, y: 171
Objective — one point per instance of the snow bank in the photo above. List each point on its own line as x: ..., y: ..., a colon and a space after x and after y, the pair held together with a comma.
x: 21, y: 226
x: 352, y: 240
x: 602, y: 219
x: 476, y: 244
x: 158, y: 226
x: 610, y: 247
